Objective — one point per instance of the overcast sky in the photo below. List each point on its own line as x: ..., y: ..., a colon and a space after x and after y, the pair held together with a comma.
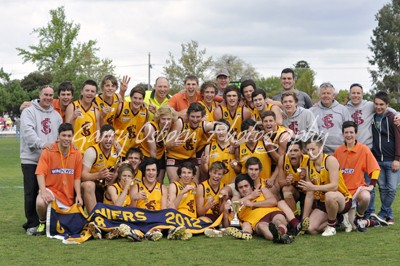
x: 332, y: 36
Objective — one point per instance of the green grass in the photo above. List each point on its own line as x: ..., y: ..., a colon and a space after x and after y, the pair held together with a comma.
x: 378, y: 245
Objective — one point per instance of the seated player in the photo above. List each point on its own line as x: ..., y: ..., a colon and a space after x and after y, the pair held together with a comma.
x: 355, y: 159
x: 327, y: 195
x: 208, y: 200
x: 99, y: 162
x: 259, y: 213
x: 59, y: 175
x: 292, y: 168
x: 182, y: 193
x: 118, y: 193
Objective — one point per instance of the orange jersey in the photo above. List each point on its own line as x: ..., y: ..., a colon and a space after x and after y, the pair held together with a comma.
x: 109, y: 119
x: 85, y: 127
x: 188, y: 202
x: 60, y: 172
x: 180, y: 102
x: 57, y: 107
x: 259, y: 151
x: 217, y: 153
x: 128, y: 125
x: 321, y: 177
x: 354, y: 163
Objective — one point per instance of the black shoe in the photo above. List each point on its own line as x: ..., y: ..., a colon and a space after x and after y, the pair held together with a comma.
x: 361, y: 227
x: 278, y: 237
x: 378, y: 220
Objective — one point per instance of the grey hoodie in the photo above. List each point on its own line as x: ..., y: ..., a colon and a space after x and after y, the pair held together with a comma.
x: 330, y: 120
x: 38, y: 127
x: 363, y: 116
x: 302, y: 122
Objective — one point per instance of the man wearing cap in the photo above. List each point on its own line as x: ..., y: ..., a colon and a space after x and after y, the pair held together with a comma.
x: 222, y: 79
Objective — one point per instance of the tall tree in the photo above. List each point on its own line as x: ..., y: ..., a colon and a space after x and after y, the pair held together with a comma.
x: 11, y: 93
x: 385, y: 46
x: 305, y: 78
x: 192, y: 61
x: 59, y: 52
x: 238, y: 68
x: 272, y: 85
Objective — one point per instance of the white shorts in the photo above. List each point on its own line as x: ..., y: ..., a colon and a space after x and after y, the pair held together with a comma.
x: 59, y: 203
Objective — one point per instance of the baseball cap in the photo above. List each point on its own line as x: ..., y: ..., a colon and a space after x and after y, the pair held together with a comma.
x: 222, y: 72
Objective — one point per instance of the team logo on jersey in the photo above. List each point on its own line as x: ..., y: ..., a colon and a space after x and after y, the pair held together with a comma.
x: 207, y: 190
x: 102, y: 105
x: 142, y: 114
x: 244, y: 151
x: 46, y: 126
x: 327, y: 121
x: 294, y: 126
x: 225, y: 114
x: 110, y: 120
x: 357, y: 117
x: 141, y: 188
x: 100, y: 156
x: 188, y: 145
x: 131, y: 132
x: 150, y: 205
x: 86, y: 129
x: 126, y: 111
x: 213, y: 147
x: 190, y: 204
x: 348, y: 171
x: 180, y: 187
x: 287, y: 167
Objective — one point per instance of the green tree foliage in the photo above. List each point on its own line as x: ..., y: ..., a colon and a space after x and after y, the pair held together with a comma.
x: 272, y: 85
x: 192, y: 61
x: 305, y: 78
x: 11, y: 93
x: 59, y: 52
x: 385, y: 46
x: 238, y: 69
x: 32, y: 83
x: 342, y: 96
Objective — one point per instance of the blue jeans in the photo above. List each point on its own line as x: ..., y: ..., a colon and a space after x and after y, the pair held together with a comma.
x: 371, y: 206
x: 387, y: 181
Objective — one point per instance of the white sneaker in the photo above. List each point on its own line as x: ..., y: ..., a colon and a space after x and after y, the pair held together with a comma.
x: 329, y: 231
x: 209, y: 232
x: 346, y: 222
x: 31, y: 231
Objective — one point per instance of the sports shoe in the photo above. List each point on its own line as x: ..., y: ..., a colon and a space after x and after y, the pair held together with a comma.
x: 361, y: 227
x: 390, y: 221
x: 126, y: 231
x: 378, y: 220
x: 94, y: 230
x: 31, y: 231
x: 302, y: 227
x: 153, y: 235
x: 239, y: 234
x: 176, y: 233
x: 186, y: 236
x: 277, y: 237
x: 41, y: 229
x: 209, y: 232
x: 329, y: 231
x: 113, y: 234
x: 346, y: 223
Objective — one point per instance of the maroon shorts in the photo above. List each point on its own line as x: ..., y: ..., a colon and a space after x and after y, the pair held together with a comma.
x: 270, y: 216
x: 321, y: 206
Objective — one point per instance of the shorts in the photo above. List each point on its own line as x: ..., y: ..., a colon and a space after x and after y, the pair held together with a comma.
x: 59, y: 203
x: 176, y: 162
x: 270, y: 216
x: 321, y: 206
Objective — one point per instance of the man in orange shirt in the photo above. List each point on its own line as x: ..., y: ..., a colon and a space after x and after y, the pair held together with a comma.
x: 355, y: 159
x: 181, y: 101
x: 59, y: 175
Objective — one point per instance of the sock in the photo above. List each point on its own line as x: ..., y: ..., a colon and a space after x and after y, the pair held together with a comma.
x: 294, y: 223
x: 282, y: 229
x: 332, y: 223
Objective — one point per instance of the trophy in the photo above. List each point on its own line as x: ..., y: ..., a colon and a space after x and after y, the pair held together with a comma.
x: 236, y: 208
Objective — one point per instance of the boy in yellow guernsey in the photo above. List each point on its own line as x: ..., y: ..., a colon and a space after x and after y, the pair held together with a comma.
x: 208, y: 200
x: 185, y: 138
x: 246, y: 89
x: 218, y: 150
x: 292, y: 168
x: 182, y: 193
x: 134, y: 157
x: 118, y: 193
x: 208, y: 91
x: 85, y: 117
x: 99, y: 162
x: 259, y: 213
x: 327, y: 195
x: 108, y: 101
x: 154, y: 137
x: 130, y: 118
x: 232, y: 111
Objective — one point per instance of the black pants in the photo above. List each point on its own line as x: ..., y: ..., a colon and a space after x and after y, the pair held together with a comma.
x: 31, y: 189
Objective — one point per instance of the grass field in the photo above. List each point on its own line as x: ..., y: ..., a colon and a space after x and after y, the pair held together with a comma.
x: 377, y: 246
